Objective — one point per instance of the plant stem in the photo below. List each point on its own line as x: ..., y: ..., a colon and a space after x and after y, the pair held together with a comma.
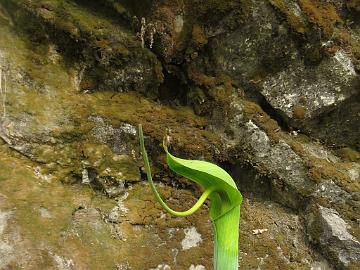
x: 226, y: 237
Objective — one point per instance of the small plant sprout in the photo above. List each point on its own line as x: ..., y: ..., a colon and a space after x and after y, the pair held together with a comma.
x: 225, y: 199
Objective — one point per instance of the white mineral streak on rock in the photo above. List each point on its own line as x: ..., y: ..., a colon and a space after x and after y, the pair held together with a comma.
x: 328, y: 99
x: 129, y: 129
x: 121, y: 203
x: 85, y: 177
x: 336, y: 224
x: 179, y: 23
x: 161, y: 267
x: 354, y: 173
x: 44, y: 213
x: 63, y: 263
x: 259, y: 231
x: 259, y: 139
x: 197, y: 267
x: 120, y: 210
x: 345, y: 61
x: 192, y: 238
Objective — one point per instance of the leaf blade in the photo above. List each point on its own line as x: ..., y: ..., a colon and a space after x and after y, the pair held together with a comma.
x: 208, y: 175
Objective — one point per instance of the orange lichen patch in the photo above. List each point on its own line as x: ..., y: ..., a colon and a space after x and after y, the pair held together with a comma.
x: 299, y: 112
x: 322, y: 14
x: 294, y: 20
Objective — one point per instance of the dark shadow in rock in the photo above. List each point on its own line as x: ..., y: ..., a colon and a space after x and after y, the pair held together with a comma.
x: 342, y: 124
x: 249, y: 182
x: 109, y: 9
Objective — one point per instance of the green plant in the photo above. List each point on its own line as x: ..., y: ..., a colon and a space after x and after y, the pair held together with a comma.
x: 225, y: 199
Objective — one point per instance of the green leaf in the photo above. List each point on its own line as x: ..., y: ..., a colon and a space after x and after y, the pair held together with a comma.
x: 225, y: 195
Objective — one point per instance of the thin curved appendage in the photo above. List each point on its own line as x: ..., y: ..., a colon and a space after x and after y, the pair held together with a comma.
x: 193, y: 209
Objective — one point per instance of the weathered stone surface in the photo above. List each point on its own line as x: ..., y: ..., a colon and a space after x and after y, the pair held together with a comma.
x: 327, y: 229
x: 311, y: 89
x: 302, y: 76
x: 261, y: 45
x: 298, y: 172
x: 48, y: 225
x: 248, y: 140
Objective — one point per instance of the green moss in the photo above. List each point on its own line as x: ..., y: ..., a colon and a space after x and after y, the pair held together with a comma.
x: 110, y: 165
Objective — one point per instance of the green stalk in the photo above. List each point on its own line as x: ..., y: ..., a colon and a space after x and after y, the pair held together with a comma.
x: 226, y: 235
x: 225, y: 202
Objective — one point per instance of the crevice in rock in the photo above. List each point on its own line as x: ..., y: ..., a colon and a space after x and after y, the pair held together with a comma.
x: 173, y: 89
x: 277, y: 115
x: 249, y: 182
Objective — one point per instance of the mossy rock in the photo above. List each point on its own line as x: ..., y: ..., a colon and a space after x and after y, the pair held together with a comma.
x: 111, y: 55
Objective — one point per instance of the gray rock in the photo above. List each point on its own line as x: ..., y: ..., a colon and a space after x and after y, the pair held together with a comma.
x: 301, y: 84
x: 329, y: 190
x: 327, y: 229
x: 259, y: 46
x: 290, y: 183
x: 302, y: 92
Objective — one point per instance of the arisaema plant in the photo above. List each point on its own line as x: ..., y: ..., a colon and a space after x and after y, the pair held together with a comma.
x: 224, y: 196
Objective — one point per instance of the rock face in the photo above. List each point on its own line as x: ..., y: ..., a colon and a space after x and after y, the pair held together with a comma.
x: 267, y: 89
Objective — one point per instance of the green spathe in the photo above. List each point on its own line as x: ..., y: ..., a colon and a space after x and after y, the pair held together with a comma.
x: 225, y: 202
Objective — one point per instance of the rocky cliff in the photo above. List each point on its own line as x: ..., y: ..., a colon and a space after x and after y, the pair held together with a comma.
x: 268, y: 89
